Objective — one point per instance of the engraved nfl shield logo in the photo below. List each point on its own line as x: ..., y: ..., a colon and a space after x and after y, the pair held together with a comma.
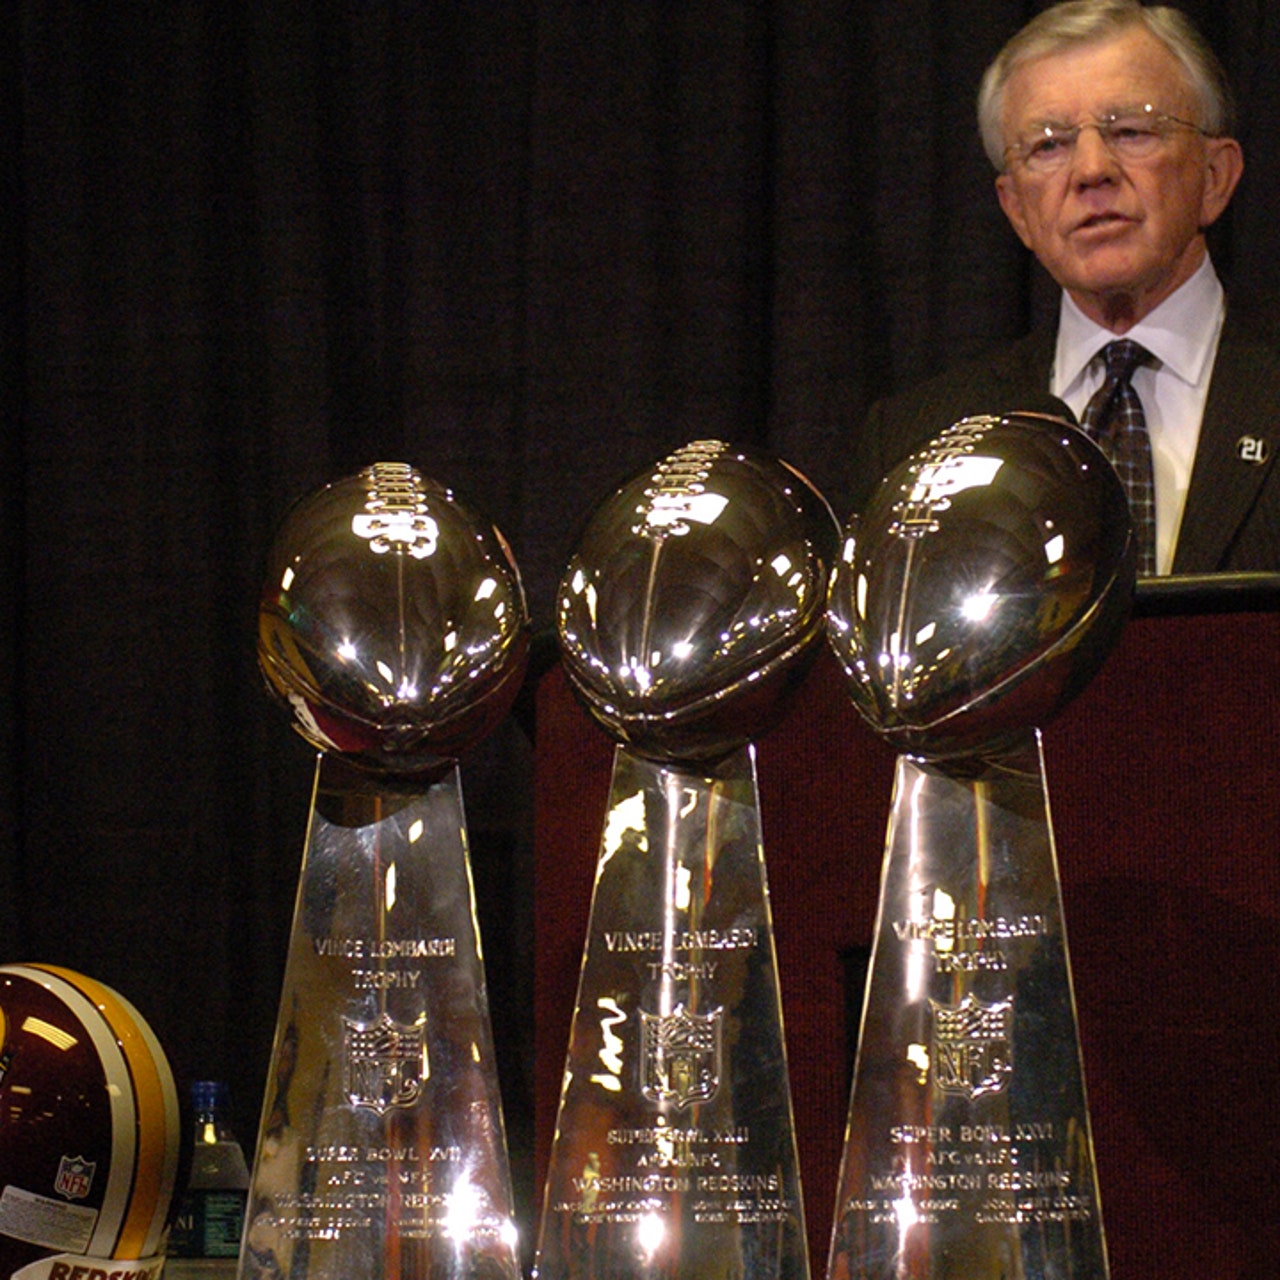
x: 75, y: 1177
x: 972, y: 1046
x: 386, y: 1064
x: 680, y: 1055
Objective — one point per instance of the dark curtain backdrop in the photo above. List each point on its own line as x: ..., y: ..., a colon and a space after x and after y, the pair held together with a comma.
x: 528, y: 247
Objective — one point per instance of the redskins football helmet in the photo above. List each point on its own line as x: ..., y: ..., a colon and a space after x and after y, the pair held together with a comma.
x: 90, y: 1133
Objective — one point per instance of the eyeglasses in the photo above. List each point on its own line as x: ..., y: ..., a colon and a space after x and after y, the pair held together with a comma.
x: 1130, y: 133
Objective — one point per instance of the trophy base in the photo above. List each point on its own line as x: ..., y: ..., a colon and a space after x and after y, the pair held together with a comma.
x: 968, y: 1154
x: 674, y: 1153
x: 381, y: 1152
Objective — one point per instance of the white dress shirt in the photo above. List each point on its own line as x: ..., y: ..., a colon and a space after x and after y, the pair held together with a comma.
x: 1182, y: 333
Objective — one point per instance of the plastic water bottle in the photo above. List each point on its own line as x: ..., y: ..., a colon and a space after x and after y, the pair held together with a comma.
x: 205, y: 1238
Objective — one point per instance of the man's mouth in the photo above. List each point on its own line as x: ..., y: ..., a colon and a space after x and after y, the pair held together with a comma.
x: 1102, y: 220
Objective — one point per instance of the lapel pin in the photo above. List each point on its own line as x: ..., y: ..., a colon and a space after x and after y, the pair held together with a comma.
x: 1252, y: 449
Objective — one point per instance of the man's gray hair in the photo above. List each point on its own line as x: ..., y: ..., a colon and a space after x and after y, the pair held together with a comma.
x: 1076, y: 22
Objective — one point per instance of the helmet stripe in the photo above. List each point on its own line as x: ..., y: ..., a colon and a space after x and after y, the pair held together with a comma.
x: 157, y: 1122
x: 162, y: 1147
x: 158, y: 1117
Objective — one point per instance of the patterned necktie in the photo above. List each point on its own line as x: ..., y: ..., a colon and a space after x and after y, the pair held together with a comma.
x: 1114, y: 418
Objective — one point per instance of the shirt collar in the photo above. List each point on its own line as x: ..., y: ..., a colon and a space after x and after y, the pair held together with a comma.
x: 1176, y: 332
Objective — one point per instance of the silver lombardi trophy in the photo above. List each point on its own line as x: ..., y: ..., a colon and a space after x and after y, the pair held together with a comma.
x: 686, y: 614
x: 983, y: 586
x: 393, y: 623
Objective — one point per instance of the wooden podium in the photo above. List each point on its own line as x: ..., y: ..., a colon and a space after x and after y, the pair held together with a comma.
x: 1164, y: 786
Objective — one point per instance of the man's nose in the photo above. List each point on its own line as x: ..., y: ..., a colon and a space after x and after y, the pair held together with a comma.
x: 1091, y: 159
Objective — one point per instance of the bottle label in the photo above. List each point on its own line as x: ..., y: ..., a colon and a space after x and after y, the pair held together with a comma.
x: 208, y: 1225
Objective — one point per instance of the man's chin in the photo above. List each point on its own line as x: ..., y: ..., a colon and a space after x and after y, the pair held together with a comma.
x: 1105, y: 276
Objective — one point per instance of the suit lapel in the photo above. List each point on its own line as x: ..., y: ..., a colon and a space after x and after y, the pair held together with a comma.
x: 1243, y: 405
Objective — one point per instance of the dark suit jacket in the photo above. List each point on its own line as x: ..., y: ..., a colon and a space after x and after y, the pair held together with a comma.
x: 1232, y: 517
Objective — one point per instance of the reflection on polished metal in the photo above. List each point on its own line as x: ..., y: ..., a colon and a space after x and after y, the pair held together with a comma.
x: 381, y: 1150
x: 392, y: 620
x: 674, y: 1153
x: 695, y: 593
x: 968, y: 1152
x: 394, y: 625
x: 983, y: 586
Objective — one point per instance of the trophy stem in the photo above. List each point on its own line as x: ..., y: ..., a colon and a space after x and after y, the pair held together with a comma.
x: 674, y: 1152
x: 381, y: 1152
x: 968, y: 1154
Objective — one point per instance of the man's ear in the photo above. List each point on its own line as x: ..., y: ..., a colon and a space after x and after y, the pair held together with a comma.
x: 1224, y: 163
x: 1011, y: 202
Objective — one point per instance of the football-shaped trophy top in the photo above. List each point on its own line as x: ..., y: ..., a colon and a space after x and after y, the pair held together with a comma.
x: 982, y: 587
x: 392, y: 621
x: 695, y: 592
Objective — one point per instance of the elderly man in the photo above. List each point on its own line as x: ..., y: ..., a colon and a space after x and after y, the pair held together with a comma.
x: 1109, y: 126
